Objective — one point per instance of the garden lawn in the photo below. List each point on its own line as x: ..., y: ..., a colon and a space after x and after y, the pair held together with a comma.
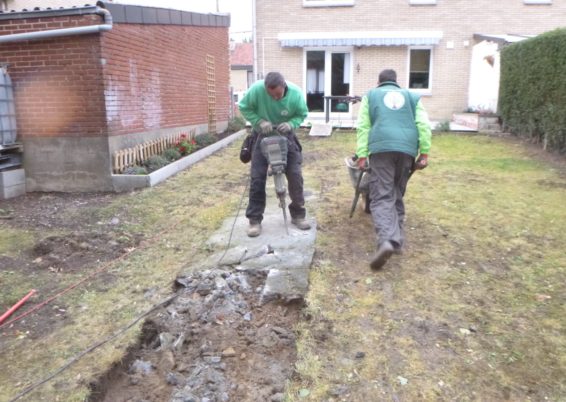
x: 474, y: 309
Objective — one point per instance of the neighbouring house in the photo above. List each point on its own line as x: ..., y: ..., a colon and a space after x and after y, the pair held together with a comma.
x: 445, y: 50
x: 91, y: 80
x: 241, y: 68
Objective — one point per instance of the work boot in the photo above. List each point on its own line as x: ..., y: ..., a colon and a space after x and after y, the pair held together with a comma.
x: 254, y: 229
x: 301, y: 223
x: 382, y: 255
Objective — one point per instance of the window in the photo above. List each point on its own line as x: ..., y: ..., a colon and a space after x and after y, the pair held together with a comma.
x: 328, y: 73
x: 420, y: 63
x: 327, y: 3
x: 537, y: 1
x: 419, y: 2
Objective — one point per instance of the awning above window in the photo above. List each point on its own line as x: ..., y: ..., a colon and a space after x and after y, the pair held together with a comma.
x: 501, y: 39
x: 372, y: 38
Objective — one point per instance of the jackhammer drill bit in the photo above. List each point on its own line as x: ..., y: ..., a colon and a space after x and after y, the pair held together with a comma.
x: 281, y: 192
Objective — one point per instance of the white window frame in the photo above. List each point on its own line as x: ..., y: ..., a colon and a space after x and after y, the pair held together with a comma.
x: 537, y: 2
x: 327, y: 76
x: 423, y: 91
x: 421, y: 2
x: 328, y: 3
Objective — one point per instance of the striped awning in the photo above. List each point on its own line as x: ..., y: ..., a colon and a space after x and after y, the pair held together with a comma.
x: 372, y: 38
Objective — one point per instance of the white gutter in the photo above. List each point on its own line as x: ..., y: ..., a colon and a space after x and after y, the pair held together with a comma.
x: 89, y: 29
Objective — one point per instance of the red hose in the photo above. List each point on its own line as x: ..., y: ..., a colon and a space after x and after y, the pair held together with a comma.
x: 16, y: 306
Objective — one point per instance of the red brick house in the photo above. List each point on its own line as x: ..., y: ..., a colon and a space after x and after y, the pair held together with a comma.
x: 91, y: 80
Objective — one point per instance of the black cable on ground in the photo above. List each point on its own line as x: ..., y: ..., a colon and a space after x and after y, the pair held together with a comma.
x: 90, y: 349
x: 235, y: 219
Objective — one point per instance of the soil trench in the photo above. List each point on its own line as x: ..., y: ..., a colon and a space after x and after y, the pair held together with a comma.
x: 214, y: 342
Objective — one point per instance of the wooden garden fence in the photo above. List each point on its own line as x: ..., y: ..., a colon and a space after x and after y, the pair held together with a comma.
x: 135, y: 156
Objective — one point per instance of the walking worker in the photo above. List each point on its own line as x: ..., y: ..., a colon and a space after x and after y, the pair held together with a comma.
x: 275, y: 107
x: 393, y: 128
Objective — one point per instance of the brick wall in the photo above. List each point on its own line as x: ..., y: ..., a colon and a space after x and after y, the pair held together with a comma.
x: 155, y: 76
x: 58, y: 87
x: 457, y: 19
x: 79, y: 98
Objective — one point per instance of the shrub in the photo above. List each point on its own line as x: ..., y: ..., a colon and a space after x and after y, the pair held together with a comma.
x: 171, y: 154
x: 442, y: 126
x: 155, y: 162
x: 236, y: 124
x: 532, y: 91
x: 136, y: 170
x: 203, y: 140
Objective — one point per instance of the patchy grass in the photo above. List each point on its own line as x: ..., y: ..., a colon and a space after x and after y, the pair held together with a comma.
x: 474, y: 310
x: 174, y: 220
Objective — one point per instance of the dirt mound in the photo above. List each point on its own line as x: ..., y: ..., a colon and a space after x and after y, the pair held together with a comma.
x: 75, y: 251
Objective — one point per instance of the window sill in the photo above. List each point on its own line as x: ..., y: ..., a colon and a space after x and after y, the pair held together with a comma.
x: 328, y: 3
x: 422, y: 92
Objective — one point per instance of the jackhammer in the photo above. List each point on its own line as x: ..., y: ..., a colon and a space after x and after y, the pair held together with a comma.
x: 274, y: 148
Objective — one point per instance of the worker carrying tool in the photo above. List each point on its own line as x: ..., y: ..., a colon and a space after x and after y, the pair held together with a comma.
x: 275, y: 108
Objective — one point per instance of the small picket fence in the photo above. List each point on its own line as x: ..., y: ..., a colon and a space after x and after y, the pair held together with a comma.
x: 135, y: 156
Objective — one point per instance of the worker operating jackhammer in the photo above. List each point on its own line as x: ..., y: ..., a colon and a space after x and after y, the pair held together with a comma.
x: 275, y: 107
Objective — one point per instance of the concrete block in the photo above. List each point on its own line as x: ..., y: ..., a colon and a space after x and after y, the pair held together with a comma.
x: 12, y: 183
x: 11, y: 178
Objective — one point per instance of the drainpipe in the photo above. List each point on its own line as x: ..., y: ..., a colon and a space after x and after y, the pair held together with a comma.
x: 89, y: 29
x: 254, y: 38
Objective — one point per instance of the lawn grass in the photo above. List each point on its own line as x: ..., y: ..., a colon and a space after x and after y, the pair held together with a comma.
x: 474, y: 310
x: 174, y: 219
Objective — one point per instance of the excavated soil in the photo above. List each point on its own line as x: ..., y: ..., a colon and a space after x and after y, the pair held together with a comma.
x: 213, y: 342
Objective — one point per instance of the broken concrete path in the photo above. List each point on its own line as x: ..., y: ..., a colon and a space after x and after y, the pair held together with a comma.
x: 286, y: 257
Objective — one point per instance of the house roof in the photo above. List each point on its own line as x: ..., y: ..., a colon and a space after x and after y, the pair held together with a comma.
x: 128, y: 14
x: 242, y: 55
x: 369, y: 38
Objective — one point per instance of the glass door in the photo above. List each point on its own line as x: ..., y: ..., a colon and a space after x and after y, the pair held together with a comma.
x: 328, y: 73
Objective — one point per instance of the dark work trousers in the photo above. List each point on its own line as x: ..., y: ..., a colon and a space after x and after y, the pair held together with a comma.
x: 389, y: 174
x: 258, y: 172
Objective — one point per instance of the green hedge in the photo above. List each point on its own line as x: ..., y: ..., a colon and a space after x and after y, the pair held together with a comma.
x: 532, y: 93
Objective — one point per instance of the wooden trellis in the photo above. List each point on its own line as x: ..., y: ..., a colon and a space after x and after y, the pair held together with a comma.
x: 211, y: 90
x: 135, y: 156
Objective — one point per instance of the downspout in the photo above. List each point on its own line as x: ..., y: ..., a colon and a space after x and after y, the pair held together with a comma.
x: 89, y: 29
x: 254, y: 38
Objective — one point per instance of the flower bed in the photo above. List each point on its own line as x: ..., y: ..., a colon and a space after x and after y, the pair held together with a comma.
x: 128, y: 182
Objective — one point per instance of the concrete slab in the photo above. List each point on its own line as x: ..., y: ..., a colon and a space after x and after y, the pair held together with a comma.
x: 285, y: 257
x: 321, y: 130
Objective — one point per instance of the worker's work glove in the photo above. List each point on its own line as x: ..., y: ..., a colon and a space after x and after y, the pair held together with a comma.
x: 284, y: 128
x: 422, y: 162
x: 362, y: 164
x: 265, y: 127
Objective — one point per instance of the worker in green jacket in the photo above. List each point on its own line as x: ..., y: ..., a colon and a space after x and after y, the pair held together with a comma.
x: 275, y: 107
x: 393, y: 129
